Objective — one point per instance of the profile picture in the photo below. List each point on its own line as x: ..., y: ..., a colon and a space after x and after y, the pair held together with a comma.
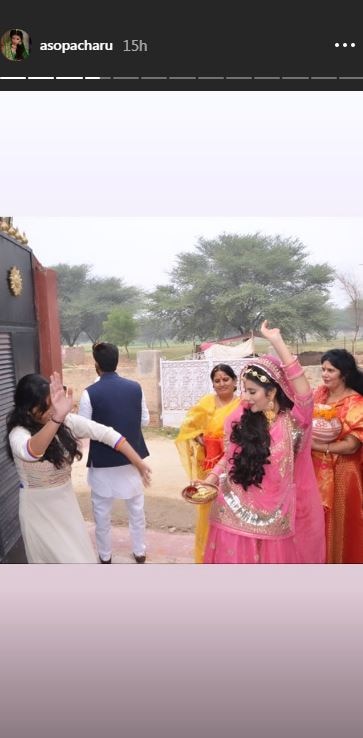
x: 15, y: 44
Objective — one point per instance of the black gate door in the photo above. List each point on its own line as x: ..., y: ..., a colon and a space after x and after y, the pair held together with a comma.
x: 19, y: 355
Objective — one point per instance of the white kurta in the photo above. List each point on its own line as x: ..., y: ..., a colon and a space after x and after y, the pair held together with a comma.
x: 51, y: 522
x: 118, y: 482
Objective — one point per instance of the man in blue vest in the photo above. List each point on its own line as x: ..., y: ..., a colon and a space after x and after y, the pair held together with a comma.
x: 120, y: 403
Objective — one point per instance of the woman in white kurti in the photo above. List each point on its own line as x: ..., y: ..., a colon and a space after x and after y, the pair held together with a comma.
x: 43, y: 438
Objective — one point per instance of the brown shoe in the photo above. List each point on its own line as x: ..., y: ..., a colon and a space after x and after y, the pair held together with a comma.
x: 102, y: 561
x: 139, y: 559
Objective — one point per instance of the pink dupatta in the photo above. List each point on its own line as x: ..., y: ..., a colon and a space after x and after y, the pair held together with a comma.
x: 288, y: 503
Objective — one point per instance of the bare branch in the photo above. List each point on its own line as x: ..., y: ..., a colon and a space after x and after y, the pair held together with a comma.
x: 351, y: 286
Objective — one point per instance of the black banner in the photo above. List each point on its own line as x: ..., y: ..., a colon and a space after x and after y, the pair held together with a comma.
x: 235, y: 46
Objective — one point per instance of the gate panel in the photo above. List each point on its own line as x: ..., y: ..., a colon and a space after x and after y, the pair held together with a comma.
x: 9, y: 483
x: 19, y: 355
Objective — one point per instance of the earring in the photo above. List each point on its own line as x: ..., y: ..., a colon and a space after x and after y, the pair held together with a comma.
x: 270, y: 413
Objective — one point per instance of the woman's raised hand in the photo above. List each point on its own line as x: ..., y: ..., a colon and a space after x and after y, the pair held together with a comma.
x: 62, y: 402
x: 270, y: 334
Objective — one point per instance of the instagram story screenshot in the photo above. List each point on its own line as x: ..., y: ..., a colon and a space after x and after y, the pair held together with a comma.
x: 181, y: 370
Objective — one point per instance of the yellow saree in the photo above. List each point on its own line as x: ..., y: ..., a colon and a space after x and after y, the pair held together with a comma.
x: 205, y: 419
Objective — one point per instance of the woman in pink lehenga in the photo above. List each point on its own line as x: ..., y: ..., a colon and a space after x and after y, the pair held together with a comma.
x: 268, y: 508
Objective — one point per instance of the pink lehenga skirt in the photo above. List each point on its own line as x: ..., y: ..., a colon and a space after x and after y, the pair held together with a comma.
x: 226, y: 547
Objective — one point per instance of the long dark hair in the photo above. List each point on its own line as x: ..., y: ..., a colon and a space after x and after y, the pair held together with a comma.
x: 251, y: 434
x: 32, y: 391
x: 20, y: 47
x: 345, y: 362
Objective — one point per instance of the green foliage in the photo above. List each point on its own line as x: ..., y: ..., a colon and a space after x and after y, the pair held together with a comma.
x: 351, y: 286
x: 227, y: 286
x: 231, y: 283
x: 154, y: 322
x: 85, y: 301
x: 120, y: 328
x: 71, y: 281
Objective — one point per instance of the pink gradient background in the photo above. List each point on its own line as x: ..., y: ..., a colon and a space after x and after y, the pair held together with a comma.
x: 175, y: 650
x: 181, y: 650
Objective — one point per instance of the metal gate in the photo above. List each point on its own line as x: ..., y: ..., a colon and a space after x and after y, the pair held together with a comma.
x: 19, y: 355
x: 9, y: 502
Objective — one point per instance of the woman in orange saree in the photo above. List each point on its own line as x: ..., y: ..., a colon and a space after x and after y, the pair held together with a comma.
x: 338, y: 464
x: 200, y: 440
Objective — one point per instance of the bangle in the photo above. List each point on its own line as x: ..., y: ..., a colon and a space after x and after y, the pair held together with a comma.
x: 59, y: 422
x: 293, y: 361
x: 119, y: 443
x: 293, y: 370
x: 327, y: 450
x: 35, y: 456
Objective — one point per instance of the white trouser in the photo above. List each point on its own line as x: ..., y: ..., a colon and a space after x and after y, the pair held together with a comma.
x: 102, y: 508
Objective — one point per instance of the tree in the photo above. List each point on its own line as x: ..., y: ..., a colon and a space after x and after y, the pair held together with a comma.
x: 229, y: 284
x: 85, y: 301
x: 120, y: 328
x: 156, y: 321
x: 341, y: 319
x: 102, y: 295
x: 353, y: 291
x: 71, y: 280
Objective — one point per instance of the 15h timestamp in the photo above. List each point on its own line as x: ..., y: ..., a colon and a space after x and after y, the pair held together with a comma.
x: 135, y: 45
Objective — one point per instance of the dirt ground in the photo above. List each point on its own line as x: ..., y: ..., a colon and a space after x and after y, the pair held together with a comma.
x: 164, y: 506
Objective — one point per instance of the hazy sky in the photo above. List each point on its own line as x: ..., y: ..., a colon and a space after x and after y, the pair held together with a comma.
x: 142, y: 250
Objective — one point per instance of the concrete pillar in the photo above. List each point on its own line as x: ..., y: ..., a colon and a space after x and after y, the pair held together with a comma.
x: 46, y: 306
x: 148, y: 370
